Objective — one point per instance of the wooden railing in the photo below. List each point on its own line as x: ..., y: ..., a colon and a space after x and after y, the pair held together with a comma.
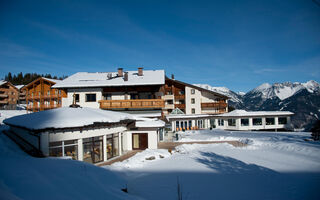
x: 4, y: 95
x: 42, y: 107
x: 181, y: 96
x: 132, y: 103
x: 50, y: 96
x: 214, y: 105
x: 180, y: 106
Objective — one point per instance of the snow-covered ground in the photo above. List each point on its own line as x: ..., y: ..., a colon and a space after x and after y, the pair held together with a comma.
x: 25, y: 177
x: 4, y: 114
x: 272, y: 166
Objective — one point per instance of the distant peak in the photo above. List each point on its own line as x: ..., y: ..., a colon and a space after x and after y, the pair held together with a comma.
x: 263, y: 86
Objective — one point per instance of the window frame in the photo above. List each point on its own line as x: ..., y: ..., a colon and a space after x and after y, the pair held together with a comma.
x: 91, y: 94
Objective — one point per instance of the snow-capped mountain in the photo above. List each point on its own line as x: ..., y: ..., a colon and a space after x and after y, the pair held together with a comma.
x: 301, y: 98
x: 283, y: 90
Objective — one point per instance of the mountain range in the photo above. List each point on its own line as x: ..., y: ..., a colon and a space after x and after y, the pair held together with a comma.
x: 301, y: 98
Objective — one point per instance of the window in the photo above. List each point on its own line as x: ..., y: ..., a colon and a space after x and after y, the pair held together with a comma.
x: 257, y: 121
x: 193, y: 91
x: 193, y: 101
x: 269, y: 121
x: 177, y: 124
x: 90, y: 97
x: 193, y: 111
x: 112, y: 145
x: 93, y: 149
x: 108, y: 96
x: 244, y: 122
x: 190, y: 124
x: 64, y: 148
x: 181, y: 92
x: 77, y: 97
x: 220, y: 122
x: 282, y: 120
x: 169, y: 92
x: 231, y: 122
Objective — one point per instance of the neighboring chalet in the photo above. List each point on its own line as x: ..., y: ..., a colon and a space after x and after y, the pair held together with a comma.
x: 9, y: 95
x: 254, y: 120
x: 85, y: 134
x: 41, y: 96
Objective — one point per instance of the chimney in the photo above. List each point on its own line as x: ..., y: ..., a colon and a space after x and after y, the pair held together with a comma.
x: 120, y: 72
x: 125, y: 78
x: 172, y: 76
x: 140, y: 71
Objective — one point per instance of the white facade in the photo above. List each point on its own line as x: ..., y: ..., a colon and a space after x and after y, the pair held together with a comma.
x: 85, y: 134
x: 259, y: 120
x: 82, y: 92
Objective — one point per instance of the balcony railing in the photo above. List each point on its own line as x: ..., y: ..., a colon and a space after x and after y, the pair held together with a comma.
x: 180, y: 106
x: 43, y: 107
x: 50, y: 96
x: 218, y: 105
x: 132, y: 103
x: 4, y: 95
x: 181, y: 96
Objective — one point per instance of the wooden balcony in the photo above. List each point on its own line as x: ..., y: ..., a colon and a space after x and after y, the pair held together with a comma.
x: 43, y: 107
x: 4, y: 95
x: 180, y: 106
x: 132, y: 103
x: 178, y: 97
x: 51, y: 96
x: 219, y: 105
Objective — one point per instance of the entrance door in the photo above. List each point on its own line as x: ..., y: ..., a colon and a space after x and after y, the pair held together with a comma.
x: 139, y: 141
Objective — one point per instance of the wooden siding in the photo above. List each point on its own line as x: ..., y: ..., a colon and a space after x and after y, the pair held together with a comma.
x: 42, y: 96
x: 9, y: 94
x: 133, y: 103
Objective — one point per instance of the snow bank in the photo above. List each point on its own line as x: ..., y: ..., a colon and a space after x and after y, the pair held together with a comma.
x: 25, y: 177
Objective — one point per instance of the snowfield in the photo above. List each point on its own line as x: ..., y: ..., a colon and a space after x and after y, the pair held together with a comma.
x: 271, y: 166
x: 25, y: 177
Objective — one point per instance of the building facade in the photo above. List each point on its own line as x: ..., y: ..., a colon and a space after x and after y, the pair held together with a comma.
x: 41, y: 96
x: 85, y: 134
x: 9, y: 95
x: 141, y: 91
x: 254, y: 120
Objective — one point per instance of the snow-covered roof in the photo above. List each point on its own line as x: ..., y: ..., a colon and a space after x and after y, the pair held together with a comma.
x: 2, y: 82
x: 66, y: 117
x: 52, y: 80
x: 19, y: 86
x: 100, y: 79
x: 180, y: 116
x: 243, y: 113
x: 146, y: 122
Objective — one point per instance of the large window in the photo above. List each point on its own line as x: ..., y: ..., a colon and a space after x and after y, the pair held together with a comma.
x: 220, y: 122
x: 245, y: 122
x: 93, y: 149
x: 112, y: 145
x: 64, y: 148
x: 90, y: 97
x: 231, y: 122
x: 282, y: 120
x: 77, y: 97
x: 257, y: 121
x: 270, y: 121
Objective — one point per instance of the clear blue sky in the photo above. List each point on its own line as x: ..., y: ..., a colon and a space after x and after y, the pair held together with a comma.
x: 237, y: 44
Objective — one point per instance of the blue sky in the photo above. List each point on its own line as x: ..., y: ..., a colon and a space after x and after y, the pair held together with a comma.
x: 236, y: 44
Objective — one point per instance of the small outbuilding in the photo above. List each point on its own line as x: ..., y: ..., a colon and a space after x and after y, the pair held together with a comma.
x: 86, y: 134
